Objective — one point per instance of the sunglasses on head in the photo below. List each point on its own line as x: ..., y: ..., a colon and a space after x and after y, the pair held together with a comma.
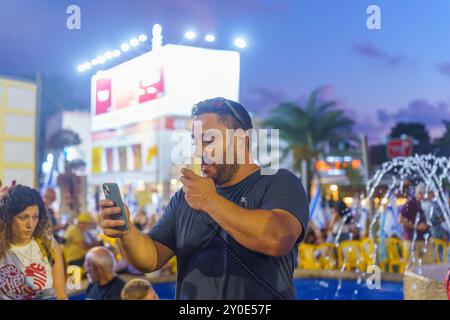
x: 236, y: 114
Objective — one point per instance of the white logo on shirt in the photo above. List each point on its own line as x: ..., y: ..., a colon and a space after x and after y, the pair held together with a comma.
x: 243, y: 202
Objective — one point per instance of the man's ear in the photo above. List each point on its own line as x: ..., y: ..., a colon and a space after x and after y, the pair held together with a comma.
x: 96, y: 268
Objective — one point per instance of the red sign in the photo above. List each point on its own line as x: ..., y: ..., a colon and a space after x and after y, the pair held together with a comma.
x: 103, y: 96
x: 399, y: 148
x: 123, y: 91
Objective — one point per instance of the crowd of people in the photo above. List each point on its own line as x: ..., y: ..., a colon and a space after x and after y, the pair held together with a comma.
x: 419, y: 220
x: 36, y: 249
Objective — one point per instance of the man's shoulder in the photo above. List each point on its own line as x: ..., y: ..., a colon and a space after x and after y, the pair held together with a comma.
x: 90, y: 288
x: 176, y: 201
x: 119, y: 281
x: 283, y: 175
x: 115, y: 288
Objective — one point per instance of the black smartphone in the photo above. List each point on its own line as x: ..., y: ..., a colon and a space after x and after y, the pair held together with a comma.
x: 112, y: 192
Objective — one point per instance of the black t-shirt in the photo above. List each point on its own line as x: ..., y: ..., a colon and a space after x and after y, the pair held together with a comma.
x: 205, y: 269
x: 111, y: 291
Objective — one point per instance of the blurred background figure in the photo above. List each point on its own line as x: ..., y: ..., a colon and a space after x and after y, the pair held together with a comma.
x: 415, y: 228
x: 138, y: 289
x: 4, y: 189
x: 141, y: 220
x: 55, y: 225
x: 153, y: 219
x: 104, y: 284
x: 340, y: 227
x: 411, y: 211
x: 434, y: 217
x: 314, y: 234
x: 391, y: 226
x: 78, y: 239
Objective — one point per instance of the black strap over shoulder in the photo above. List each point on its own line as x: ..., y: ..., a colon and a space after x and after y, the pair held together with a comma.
x: 223, y: 243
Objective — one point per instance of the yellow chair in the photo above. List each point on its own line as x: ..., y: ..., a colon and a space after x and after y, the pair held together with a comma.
x: 173, y: 265
x: 397, y: 253
x: 367, y: 253
x: 439, y: 246
x: 307, y: 258
x: 349, y: 255
x: 327, y: 257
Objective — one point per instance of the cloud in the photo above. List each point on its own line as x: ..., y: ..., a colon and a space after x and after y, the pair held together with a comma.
x: 370, y: 51
x: 261, y: 100
x: 444, y: 68
x: 377, y: 128
x: 418, y: 111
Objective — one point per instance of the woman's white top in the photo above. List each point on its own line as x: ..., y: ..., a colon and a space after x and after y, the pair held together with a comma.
x: 25, y: 273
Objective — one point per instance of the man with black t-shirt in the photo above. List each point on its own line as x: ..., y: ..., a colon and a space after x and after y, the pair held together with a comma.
x: 235, y: 231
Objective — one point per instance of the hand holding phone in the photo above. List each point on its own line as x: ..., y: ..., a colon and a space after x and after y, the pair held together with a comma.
x: 114, y: 214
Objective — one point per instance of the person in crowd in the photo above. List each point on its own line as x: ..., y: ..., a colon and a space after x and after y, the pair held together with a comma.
x: 415, y: 227
x: 411, y: 213
x: 104, y: 284
x: 55, y: 226
x: 435, y: 217
x: 392, y: 228
x: 340, y: 226
x: 141, y: 220
x: 152, y: 221
x: 78, y: 239
x: 4, y: 189
x: 31, y: 263
x: 313, y: 234
x: 138, y: 289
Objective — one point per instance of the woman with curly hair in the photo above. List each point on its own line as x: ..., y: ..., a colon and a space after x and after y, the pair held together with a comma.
x: 31, y: 265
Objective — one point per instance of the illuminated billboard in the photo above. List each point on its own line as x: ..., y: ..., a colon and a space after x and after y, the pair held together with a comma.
x: 162, y: 82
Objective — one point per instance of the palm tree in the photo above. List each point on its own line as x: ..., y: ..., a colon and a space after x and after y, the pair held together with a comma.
x: 310, y: 129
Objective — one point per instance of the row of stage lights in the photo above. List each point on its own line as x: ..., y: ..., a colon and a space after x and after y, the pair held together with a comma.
x: 135, y: 42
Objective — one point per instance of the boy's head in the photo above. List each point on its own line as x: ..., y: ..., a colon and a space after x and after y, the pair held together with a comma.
x: 138, y: 289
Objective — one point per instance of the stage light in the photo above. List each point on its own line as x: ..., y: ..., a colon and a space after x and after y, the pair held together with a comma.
x: 190, y: 35
x: 116, y: 53
x: 87, y: 65
x: 108, y: 55
x: 125, y: 47
x: 210, y: 38
x: 101, y: 59
x: 143, y: 38
x: 240, y: 43
x: 134, y: 42
x: 157, y: 29
x: 156, y: 36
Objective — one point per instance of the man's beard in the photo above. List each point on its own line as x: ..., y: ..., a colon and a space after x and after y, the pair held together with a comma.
x: 224, y: 173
